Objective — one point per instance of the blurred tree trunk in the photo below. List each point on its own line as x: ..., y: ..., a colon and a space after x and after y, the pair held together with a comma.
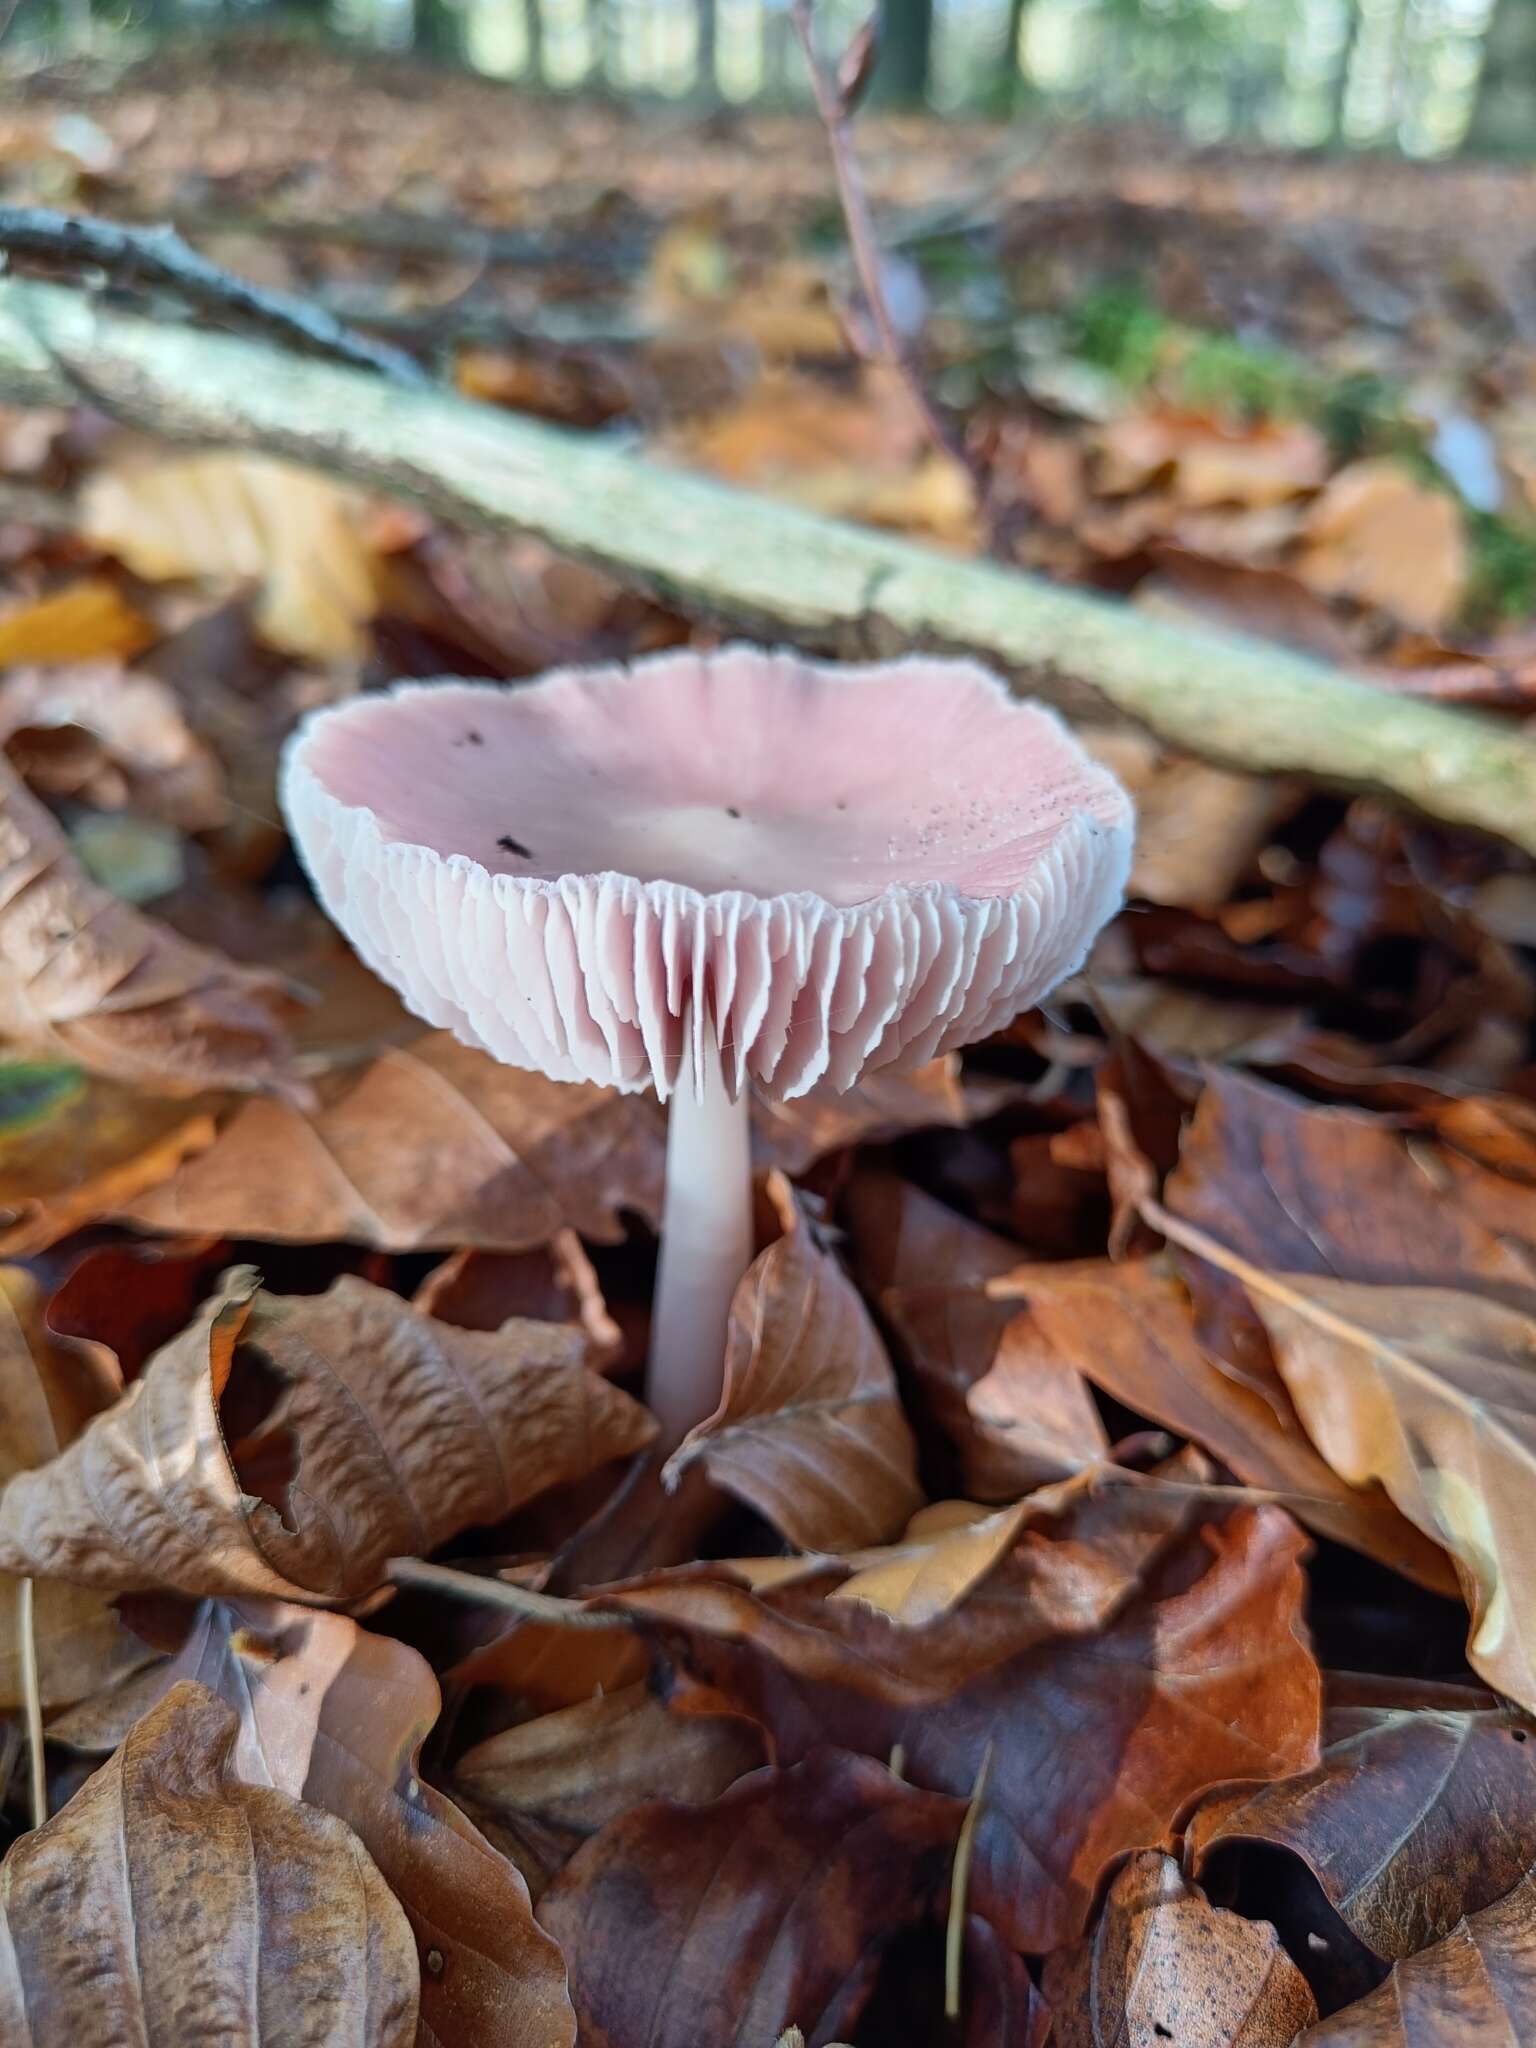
x: 704, y: 52
x: 1504, y: 118
x: 902, y: 77
x: 1016, y: 87
x: 437, y: 30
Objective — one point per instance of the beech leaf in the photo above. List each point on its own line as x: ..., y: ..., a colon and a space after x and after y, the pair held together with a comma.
x: 810, y: 1429
x: 336, y: 1716
x: 233, y: 519
x: 169, y: 1901
x: 432, y: 1144
x: 543, y: 1787
x: 773, y: 1907
x: 289, y: 1446
x: 1129, y: 1328
x: 1394, y: 1821
x: 1164, y: 1964
x: 1433, y: 1393
x: 1153, y: 1637
x: 1295, y: 1188
x: 928, y: 1268
x: 794, y: 1135
x: 94, y: 981
x: 48, y: 1390
x: 1475, y: 1989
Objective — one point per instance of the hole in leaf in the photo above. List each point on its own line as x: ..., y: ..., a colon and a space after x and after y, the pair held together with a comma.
x: 262, y: 1446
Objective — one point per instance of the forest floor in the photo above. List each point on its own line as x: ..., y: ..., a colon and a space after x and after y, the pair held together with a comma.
x: 1103, y: 1608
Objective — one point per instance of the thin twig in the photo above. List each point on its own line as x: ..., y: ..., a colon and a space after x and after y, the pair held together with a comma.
x: 159, y: 256
x: 832, y: 105
x: 32, y: 1703
x: 484, y: 1592
x: 954, y: 1931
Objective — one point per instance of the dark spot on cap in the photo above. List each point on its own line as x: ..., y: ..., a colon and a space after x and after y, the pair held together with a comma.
x: 434, y: 1962
x: 731, y: 811
x: 842, y: 803
x: 510, y: 845
x: 471, y: 739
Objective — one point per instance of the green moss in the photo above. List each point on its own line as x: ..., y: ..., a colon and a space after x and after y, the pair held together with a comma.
x: 1117, y: 328
x: 1501, y: 583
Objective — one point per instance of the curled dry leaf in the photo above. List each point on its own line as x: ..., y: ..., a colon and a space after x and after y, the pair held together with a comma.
x: 1130, y: 1329
x: 93, y: 981
x: 773, y: 1907
x: 1412, y: 1818
x: 1475, y: 1989
x: 289, y: 1446
x: 432, y: 1144
x: 244, y: 519
x: 170, y: 1901
x: 542, y: 1788
x: 1164, y: 1964
x: 110, y: 736
x: 810, y: 1429
x: 927, y: 1267
x: 48, y: 1391
x: 1154, y: 1638
x: 334, y: 1715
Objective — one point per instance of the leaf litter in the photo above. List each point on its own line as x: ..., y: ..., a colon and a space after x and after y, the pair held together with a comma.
x: 1122, y: 1464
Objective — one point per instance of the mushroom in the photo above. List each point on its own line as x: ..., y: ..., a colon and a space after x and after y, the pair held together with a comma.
x: 708, y: 873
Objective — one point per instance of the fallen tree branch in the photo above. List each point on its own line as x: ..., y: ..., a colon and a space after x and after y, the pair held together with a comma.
x: 159, y: 256
x: 770, y: 568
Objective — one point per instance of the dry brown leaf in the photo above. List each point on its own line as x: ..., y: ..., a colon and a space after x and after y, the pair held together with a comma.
x: 554, y: 1283
x: 772, y: 1907
x: 1129, y: 1328
x: 1433, y: 1394
x: 244, y: 519
x: 1295, y: 1188
x: 810, y: 1429
x: 542, y: 1788
x: 1475, y: 1989
x: 1166, y: 1965
x: 336, y: 1716
x: 947, y: 1549
x: 863, y: 455
x: 48, y: 1391
x: 1394, y: 1823
x: 1209, y: 461
x: 84, y: 621
x: 1378, y: 535
x: 927, y: 1269
x: 88, y: 1149
x: 431, y: 1145
x: 289, y: 1446
x: 1197, y: 827
x: 168, y: 1901
x: 93, y: 981
x: 1151, y: 1636
x: 110, y: 736
x: 794, y: 1135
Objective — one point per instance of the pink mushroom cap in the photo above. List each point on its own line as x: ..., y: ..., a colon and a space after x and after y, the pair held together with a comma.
x: 829, y: 868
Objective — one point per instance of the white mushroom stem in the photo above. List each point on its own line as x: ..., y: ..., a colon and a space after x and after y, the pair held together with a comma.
x: 706, y: 1245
